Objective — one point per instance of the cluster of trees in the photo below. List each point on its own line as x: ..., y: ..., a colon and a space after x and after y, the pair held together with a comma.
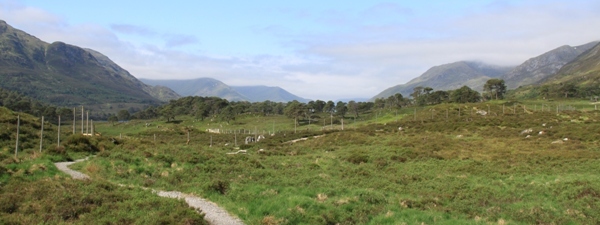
x: 422, y: 96
x: 20, y: 103
x: 567, y: 90
x: 217, y: 108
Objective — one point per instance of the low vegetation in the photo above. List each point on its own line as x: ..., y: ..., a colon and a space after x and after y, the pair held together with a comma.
x: 33, y: 191
x: 498, y: 162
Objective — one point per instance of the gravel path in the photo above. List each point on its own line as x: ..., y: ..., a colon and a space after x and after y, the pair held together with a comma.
x: 214, y: 214
x: 64, y: 166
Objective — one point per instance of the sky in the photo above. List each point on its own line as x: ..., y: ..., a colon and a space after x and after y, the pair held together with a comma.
x: 325, y: 50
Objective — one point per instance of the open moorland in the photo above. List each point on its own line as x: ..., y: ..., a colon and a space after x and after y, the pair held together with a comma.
x: 481, y: 163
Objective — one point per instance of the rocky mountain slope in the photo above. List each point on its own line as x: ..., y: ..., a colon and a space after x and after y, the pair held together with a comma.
x: 449, y: 77
x: 538, y: 68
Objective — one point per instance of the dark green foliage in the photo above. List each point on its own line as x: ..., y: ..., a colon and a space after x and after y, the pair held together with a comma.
x: 464, y: 95
x: 495, y: 89
x: 62, y: 74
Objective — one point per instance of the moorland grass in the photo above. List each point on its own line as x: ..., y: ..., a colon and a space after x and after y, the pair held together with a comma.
x: 462, y: 169
x: 33, y: 191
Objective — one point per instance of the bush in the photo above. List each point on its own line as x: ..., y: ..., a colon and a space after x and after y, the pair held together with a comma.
x: 80, y: 143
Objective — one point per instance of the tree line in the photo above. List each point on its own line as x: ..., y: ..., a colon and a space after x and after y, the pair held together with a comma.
x: 20, y: 103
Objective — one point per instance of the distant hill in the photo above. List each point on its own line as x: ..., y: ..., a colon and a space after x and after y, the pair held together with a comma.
x: 539, y: 68
x: 263, y: 93
x: 449, y: 77
x: 209, y: 87
x: 63, y: 74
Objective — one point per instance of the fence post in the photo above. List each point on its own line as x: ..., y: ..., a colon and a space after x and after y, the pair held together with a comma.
x: 18, y: 126
x: 58, y: 145
x: 42, y: 134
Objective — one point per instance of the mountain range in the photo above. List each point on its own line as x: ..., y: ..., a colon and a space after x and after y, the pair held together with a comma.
x: 213, y: 87
x: 474, y: 74
x: 67, y: 75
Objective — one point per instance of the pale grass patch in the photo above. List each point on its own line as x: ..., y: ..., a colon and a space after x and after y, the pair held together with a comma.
x: 321, y: 197
x: 501, y: 222
x: 389, y: 214
x: 342, y: 201
x: 164, y: 174
x: 269, y: 192
x: 92, y: 168
x: 271, y: 220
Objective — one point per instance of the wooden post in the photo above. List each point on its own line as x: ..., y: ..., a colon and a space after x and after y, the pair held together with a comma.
x: 556, y: 108
x: 154, y: 137
x: 82, y: 119
x: 92, y: 128
x: 342, y: 123
x: 459, y: 111
x: 58, y: 145
x: 74, y: 120
x: 18, y: 126
x: 42, y: 134
x: 331, y: 120
x: 87, y: 122
x: 188, y: 137
x: 210, y: 141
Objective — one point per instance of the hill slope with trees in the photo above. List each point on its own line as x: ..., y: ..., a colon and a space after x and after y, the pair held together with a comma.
x: 63, y: 74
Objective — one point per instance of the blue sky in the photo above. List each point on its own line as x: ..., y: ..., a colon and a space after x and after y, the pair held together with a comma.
x: 315, y: 49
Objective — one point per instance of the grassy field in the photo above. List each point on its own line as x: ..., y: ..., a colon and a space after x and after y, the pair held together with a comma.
x: 448, y: 165
x: 33, y: 191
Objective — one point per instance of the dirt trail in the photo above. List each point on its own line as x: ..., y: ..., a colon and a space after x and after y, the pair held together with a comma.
x: 214, y: 214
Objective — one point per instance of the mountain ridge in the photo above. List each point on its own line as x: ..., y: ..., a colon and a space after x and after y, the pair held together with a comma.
x: 64, y: 75
x: 449, y: 76
x: 210, y: 87
x: 537, y: 68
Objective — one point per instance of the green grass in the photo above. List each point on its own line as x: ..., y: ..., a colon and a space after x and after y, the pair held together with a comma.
x: 470, y: 169
x: 33, y: 191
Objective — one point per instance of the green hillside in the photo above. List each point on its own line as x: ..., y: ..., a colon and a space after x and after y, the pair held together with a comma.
x: 33, y: 191
x: 63, y: 74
